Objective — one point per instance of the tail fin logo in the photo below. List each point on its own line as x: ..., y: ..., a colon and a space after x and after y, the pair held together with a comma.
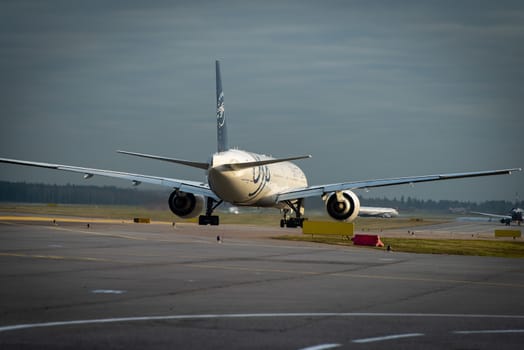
x: 221, y: 116
x: 220, y: 110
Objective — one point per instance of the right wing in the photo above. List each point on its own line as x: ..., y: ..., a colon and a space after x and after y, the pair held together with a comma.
x: 321, y: 190
x: 493, y: 215
x: 194, y: 187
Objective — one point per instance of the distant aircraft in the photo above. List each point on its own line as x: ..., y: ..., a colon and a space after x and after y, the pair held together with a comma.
x: 378, y: 212
x: 515, y: 215
x: 244, y: 178
x: 233, y: 210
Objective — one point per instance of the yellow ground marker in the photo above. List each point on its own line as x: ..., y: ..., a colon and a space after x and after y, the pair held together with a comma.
x: 142, y: 220
x: 328, y: 228
x: 508, y: 233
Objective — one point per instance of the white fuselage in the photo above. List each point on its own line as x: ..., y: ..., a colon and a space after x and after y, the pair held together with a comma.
x: 253, y: 186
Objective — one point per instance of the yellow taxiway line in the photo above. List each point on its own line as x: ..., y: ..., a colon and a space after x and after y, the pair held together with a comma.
x: 72, y: 219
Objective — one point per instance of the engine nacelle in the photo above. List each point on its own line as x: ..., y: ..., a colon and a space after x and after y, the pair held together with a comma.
x: 185, y: 205
x: 343, y: 206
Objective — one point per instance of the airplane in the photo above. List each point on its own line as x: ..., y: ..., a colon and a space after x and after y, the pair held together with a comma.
x: 378, y: 212
x: 233, y: 210
x: 514, y: 215
x: 244, y: 178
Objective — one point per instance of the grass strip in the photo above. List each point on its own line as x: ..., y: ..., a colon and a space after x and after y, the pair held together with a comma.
x: 506, y: 249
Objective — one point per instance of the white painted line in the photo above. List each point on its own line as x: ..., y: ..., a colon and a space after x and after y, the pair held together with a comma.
x: 493, y: 331
x: 322, y: 347
x: 108, y: 291
x: 231, y: 316
x: 387, y: 337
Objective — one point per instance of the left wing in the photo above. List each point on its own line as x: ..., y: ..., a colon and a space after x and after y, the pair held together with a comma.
x: 312, y: 191
x: 183, y: 185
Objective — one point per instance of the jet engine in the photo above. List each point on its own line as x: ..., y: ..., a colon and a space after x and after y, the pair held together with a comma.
x: 343, y: 205
x: 185, y: 205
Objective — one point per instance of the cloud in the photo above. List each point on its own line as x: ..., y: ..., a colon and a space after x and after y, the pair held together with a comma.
x: 371, y: 89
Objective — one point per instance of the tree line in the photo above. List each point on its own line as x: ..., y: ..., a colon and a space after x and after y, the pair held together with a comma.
x: 22, y: 192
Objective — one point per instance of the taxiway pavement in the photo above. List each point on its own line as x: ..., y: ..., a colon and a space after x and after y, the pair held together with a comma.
x: 157, y: 286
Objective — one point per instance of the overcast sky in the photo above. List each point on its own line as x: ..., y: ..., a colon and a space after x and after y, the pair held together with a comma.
x: 371, y: 89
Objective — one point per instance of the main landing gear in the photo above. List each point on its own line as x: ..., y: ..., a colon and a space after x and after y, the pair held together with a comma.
x: 209, y: 219
x: 298, y: 209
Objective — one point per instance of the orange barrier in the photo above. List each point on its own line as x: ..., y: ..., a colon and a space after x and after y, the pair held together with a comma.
x: 371, y: 240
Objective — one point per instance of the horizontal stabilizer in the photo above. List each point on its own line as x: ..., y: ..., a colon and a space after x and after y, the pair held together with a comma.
x: 239, y: 166
x: 199, y: 165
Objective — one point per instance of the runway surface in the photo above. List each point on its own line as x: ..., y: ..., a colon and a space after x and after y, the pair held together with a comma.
x: 116, y: 286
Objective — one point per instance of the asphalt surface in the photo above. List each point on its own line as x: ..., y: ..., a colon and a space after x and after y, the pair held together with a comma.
x: 129, y: 286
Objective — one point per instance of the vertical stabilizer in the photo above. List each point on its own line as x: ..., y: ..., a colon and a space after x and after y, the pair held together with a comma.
x: 221, y: 116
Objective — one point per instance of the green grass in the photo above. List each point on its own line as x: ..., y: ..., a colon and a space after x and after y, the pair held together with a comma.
x: 263, y: 217
x: 89, y: 211
x: 501, y: 248
x: 380, y: 224
x: 507, y: 249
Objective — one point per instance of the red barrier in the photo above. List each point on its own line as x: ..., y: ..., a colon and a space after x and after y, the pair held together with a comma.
x: 372, y: 240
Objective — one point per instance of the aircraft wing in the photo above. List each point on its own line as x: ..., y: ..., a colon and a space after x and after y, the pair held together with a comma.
x: 377, y: 212
x: 498, y: 216
x: 312, y: 191
x: 183, y: 185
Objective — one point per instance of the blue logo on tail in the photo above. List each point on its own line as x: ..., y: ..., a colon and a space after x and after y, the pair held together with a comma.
x: 221, y: 116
